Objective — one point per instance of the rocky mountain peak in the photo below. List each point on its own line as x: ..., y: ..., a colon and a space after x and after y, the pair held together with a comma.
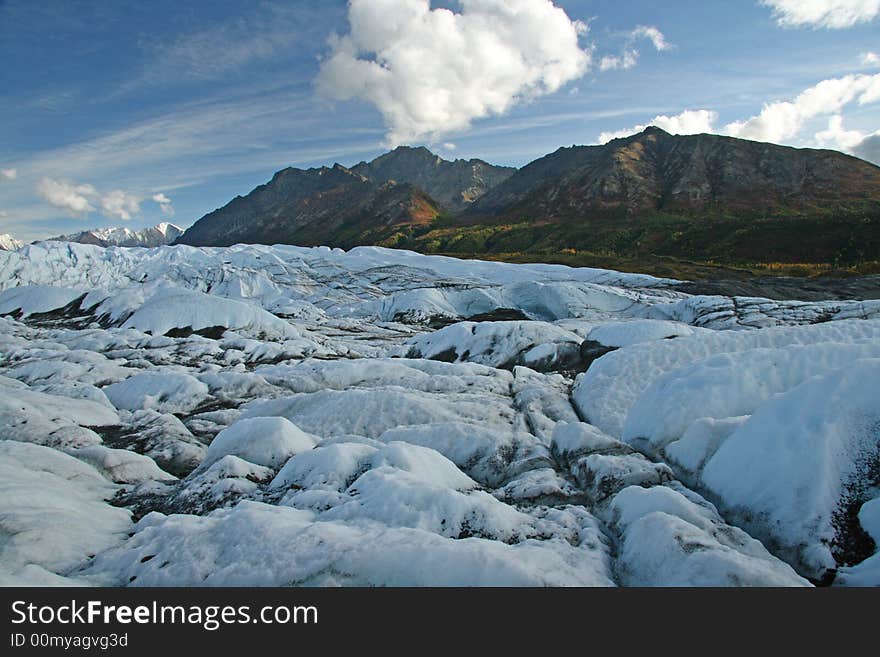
x: 454, y: 184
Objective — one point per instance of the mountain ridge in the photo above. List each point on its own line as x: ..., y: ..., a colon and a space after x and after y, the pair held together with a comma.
x: 455, y: 184
x: 703, y: 197
x: 310, y: 206
x: 161, y: 234
x: 654, y: 170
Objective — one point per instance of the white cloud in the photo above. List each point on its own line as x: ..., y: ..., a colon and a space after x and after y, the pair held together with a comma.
x: 834, y: 14
x: 656, y: 36
x: 869, y: 149
x: 783, y: 120
x: 860, y: 144
x: 689, y: 122
x: 787, y: 122
x: 449, y: 146
x: 433, y: 71
x: 4, y: 214
x: 837, y: 137
x: 120, y: 204
x: 67, y: 196
x: 164, y: 204
x: 870, y: 59
x: 629, y: 57
x: 79, y: 200
x: 8, y: 174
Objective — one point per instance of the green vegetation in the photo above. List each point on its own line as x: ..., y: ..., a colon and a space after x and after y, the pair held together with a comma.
x: 664, y: 244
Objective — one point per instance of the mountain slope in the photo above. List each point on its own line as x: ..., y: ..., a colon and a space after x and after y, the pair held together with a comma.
x: 455, y: 185
x: 158, y: 235
x: 328, y: 206
x: 701, y: 198
x: 690, y: 174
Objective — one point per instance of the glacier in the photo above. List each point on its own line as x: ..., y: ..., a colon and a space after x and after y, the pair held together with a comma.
x: 285, y: 416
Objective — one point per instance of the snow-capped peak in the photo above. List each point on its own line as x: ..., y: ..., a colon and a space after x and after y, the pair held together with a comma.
x: 159, y: 235
x: 9, y: 243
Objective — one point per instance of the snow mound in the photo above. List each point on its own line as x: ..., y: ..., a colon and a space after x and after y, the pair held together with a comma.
x: 331, y: 467
x: 31, y: 416
x: 31, y: 299
x: 371, y: 412
x: 607, y: 391
x: 287, y: 547
x: 623, y: 334
x: 53, y: 512
x: 65, y: 368
x: 266, y: 441
x: 811, y: 456
x: 416, y: 375
x: 162, y: 437
x: 729, y: 385
x: 121, y: 465
x: 412, y: 486
x: 669, y: 540
x: 574, y: 439
x: 170, y: 392
x: 226, y: 482
x: 538, y: 345
x: 180, y: 309
x: 491, y: 455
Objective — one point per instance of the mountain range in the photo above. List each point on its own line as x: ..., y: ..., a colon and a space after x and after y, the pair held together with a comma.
x: 702, y: 197
x: 158, y: 235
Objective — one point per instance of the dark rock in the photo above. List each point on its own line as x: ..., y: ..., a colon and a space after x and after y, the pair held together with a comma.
x: 590, y: 350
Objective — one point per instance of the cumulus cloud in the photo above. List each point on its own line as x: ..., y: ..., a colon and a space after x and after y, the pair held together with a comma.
x: 788, y: 122
x: 689, y: 122
x: 80, y: 200
x: 67, y: 196
x: 629, y: 57
x: 833, y: 14
x: 869, y: 149
x: 120, y: 204
x: 8, y: 174
x: 164, y: 204
x: 860, y: 144
x: 837, y: 137
x: 780, y: 121
x: 870, y: 59
x: 431, y: 72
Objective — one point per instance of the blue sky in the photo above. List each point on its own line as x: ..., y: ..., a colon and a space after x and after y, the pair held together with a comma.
x: 131, y: 113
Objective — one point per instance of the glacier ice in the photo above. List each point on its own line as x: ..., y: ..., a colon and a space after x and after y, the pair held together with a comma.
x: 259, y: 415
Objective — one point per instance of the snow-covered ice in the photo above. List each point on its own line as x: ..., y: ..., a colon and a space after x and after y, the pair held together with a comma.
x: 259, y: 415
x: 268, y: 441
